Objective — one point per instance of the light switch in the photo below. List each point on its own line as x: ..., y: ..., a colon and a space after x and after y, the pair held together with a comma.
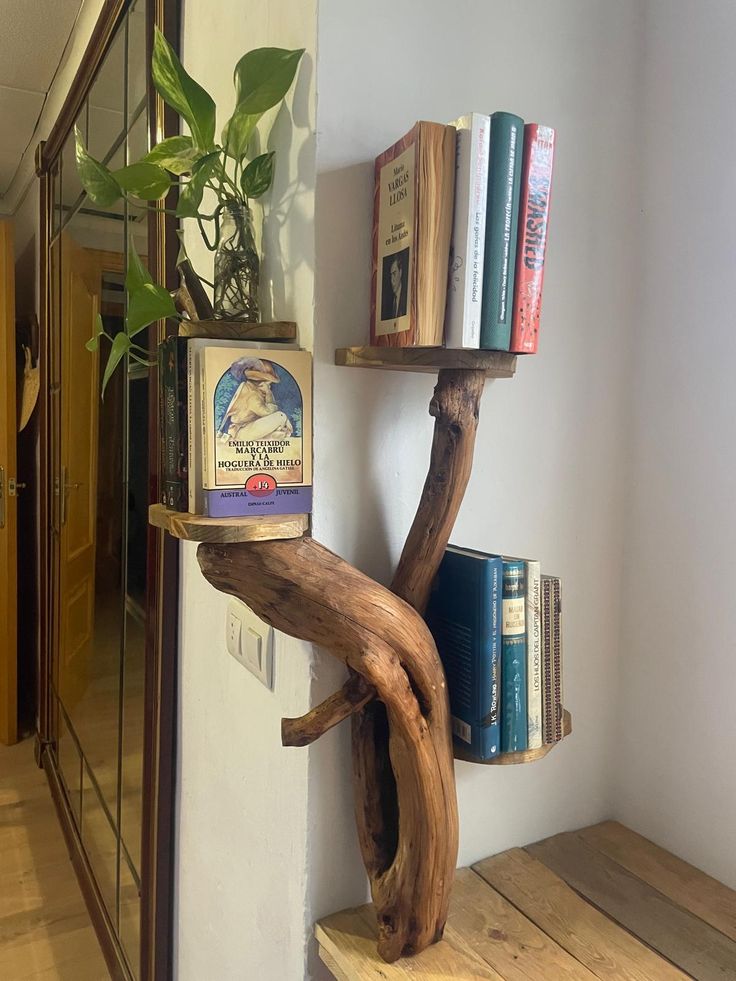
x: 250, y: 641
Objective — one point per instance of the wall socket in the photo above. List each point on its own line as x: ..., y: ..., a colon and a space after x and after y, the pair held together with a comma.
x: 250, y: 641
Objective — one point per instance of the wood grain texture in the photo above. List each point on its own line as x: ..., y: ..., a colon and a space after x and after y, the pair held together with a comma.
x: 353, y: 695
x: 694, y: 946
x: 494, y: 364
x: 406, y: 813
x: 239, y: 330
x: 349, y: 941
x: 509, y: 759
x: 602, y: 946
x: 681, y: 882
x: 198, y: 528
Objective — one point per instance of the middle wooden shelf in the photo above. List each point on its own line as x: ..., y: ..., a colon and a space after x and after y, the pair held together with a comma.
x: 200, y: 528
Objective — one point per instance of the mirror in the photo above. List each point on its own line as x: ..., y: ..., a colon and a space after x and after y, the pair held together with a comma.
x: 100, y: 460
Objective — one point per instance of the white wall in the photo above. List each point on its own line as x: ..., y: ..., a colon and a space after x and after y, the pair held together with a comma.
x: 242, y: 808
x: 676, y: 781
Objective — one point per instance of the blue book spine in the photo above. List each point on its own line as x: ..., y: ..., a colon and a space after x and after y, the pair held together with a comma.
x: 514, y: 723
x: 489, y: 733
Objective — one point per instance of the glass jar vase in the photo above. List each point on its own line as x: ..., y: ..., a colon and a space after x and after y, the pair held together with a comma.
x: 236, y: 265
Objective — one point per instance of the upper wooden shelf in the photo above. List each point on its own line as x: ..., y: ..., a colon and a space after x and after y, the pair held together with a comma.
x: 239, y: 330
x: 508, y: 759
x: 496, y: 364
x: 199, y: 528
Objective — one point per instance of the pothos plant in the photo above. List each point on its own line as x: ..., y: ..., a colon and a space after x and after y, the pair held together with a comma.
x: 194, y: 163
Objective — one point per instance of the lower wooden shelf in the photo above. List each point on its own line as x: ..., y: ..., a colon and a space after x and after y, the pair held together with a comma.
x: 496, y: 364
x: 198, y: 528
x: 527, y: 756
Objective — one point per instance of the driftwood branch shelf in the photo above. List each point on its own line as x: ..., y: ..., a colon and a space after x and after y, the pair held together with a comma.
x: 396, y: 696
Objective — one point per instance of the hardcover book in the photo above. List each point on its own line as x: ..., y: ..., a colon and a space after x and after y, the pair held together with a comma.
x: 536, y: 185
x: 504, y: 178
x: 513, y: 659
x: 464, y: 615
x: 412, y: 223
x: 256, y: 448
x: 467, y: 247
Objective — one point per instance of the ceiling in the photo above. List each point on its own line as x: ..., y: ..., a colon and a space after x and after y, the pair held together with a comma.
x: 33, y: 40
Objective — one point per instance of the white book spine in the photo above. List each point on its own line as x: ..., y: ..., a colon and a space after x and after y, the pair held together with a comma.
x: 534, y: 654
x: 465, y: 281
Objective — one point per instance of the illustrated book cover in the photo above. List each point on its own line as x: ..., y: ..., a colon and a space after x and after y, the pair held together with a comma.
x: 256, y: 415
x: 467, y: 246
x: 536, y: 187
x: 412, y: 225
x: 464, y: 615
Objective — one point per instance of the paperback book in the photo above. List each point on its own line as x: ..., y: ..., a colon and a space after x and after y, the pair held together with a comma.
x: 412, y: 224
x: 467, y: 247
x: 256, y: 414
x: 514, y: 734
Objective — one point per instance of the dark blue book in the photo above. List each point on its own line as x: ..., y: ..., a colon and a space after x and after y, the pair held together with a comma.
x: 514, y: 723
x: 464, y: 615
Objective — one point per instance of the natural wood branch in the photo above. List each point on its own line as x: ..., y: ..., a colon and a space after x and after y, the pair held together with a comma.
x: 403, y: 767
x: 455, y: 406
x: 304, y: 590
x: 184, y: 303
x: 196, y: 291
x: 354, y: 694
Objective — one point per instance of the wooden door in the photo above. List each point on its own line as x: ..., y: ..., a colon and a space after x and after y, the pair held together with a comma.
x: 8, y: 500
x: 81, y: 289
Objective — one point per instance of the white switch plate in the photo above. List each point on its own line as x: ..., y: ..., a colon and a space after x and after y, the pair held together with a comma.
x: 250, y: 641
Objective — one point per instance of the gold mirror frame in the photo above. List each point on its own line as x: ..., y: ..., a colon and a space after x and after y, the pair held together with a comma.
x: 162, y: 632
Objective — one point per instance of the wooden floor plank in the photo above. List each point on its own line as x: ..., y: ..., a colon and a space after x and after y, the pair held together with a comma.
x: 483, y: 921
x: 349, y: 939
x: 609, y: 951
x: 681, y: 882
x: 694, y: 946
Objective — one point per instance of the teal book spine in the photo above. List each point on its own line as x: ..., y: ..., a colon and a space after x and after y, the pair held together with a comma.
x: 514, y: 723
x: 502, y: 223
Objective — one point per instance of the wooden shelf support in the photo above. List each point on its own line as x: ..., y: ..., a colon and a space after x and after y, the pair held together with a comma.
x: 404, y: 780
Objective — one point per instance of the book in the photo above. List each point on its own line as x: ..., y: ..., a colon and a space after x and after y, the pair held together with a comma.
x: 551, y: 659
x: 534, y: 195
x: 412, y: 223
x: 256, y: 414
x: 464, y: 616
x: 533, y: 616
x: 467, y: 245
x: 173, y: 421
x: 513, y: 658
x: 504, y: 178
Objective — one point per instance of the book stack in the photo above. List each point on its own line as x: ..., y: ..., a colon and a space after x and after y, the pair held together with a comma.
x: 496, y: 621
x: 236, y: 427
x: 460, y: 234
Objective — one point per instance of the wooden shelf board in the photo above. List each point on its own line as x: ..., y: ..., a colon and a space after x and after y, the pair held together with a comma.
x: 239, y: 330
x: 198, y: 528
x: 496, y: 364
x: 527, y: 756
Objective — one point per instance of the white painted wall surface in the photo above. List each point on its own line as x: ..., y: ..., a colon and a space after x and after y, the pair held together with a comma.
x: 242, y: 808
x: 676, y: 777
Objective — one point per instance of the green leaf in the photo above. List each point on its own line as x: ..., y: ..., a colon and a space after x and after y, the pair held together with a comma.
x: 263, y: 77
x: 176, y: 154
x: 147, y: 304
x: 237, y: 132
x: 96, y: 179
x: 120, y: 346
x: 181, y: 92
x: 191, y: 194
x: 137, y: 276
x: 144, y: 180
x: 94, y: 342
x: 257, y: 176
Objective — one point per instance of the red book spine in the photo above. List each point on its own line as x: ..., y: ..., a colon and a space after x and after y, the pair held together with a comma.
x: 536, y: 183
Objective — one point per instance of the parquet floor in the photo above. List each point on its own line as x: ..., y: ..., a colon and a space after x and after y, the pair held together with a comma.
x: 45, y: 930
x: 602, y: 902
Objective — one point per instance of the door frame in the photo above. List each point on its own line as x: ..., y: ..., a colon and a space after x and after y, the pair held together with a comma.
x: 160, y: 700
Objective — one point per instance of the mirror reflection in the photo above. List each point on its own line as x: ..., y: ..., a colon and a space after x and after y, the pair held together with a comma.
x: 101, y: 454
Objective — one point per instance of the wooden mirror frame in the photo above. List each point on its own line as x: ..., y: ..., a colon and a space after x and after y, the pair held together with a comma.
x: 159, y: 762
